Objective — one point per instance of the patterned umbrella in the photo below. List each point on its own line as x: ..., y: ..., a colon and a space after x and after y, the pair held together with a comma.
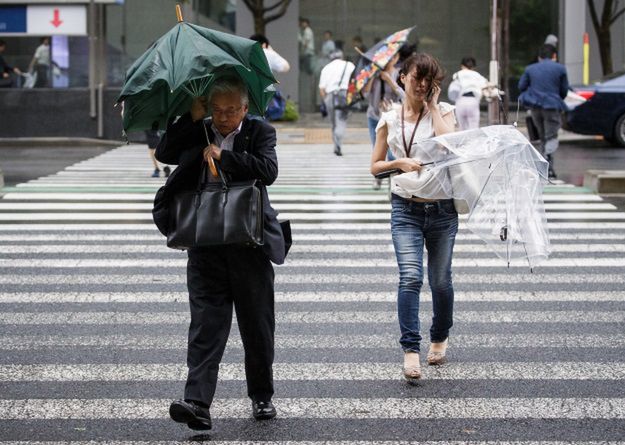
x: 374, y: 60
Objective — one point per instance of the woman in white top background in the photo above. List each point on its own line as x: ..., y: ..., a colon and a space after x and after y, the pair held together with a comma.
x: 466, y: 90
x: 414, y: 220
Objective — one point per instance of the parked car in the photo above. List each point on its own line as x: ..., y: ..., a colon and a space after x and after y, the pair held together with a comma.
x: 603, y: 112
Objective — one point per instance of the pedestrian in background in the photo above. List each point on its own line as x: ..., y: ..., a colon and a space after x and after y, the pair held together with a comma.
x: 41, y: 63
x: 306, y: 39
x: 277, y: 63
x: 5, y: 69
x: 466, y: 90
x: 543, y: 86
x: 333, y: 83
x: 222, y: 276
x: 415, y: 220
x: 153, y: 137
x: 327, y: 47
x: 381, y: 93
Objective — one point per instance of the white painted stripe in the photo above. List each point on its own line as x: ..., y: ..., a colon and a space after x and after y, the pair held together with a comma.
x: 360, y: 278
x: 310, y: 236
x: 275, y: 197
x: 296, y: 297
x: 364, y: 216
x: 300, y: 248
x: 327, y: 408
x: 309, y: 341
x: 315, y: 371
x: 317, y: 317
x: 321, y: 263
x: 298, y: 227
x: 280, y: 206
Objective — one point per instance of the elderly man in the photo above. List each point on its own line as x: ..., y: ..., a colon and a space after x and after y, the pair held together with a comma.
x: 220, y: 277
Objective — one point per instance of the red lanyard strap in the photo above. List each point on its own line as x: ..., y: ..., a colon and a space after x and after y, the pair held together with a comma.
x: 403, y: 133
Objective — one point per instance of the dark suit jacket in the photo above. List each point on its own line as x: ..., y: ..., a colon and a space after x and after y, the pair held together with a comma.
x: 253, y: 156
x: 544, y: 85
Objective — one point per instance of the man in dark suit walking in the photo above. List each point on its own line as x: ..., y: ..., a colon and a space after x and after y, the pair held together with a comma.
x: 543, y: 87
x: 219, y: 278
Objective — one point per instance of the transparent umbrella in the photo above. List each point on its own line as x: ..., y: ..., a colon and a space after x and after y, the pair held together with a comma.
x: 499, y: 176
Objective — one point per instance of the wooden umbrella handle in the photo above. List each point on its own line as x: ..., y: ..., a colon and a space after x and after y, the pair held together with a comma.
x: 179, y: 13
x: 212, y: 167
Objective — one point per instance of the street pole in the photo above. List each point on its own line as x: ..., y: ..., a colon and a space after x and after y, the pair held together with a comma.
x: 92, y: 59
x: 505, y: 57
x: 493, y: 67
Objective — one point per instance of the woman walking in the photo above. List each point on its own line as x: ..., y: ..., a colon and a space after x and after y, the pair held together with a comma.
x: 415, y: 220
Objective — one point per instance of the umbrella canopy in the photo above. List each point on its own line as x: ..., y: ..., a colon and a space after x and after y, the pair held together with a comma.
x: 500, y: 176
x: 183, y: 64
x: 374, y: 60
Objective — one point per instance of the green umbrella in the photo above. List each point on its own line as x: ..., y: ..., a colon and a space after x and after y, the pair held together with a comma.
x: 182, y: 65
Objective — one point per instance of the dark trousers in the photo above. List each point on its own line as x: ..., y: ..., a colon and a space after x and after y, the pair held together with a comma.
x: 217, y: 279
x: 547, y: 122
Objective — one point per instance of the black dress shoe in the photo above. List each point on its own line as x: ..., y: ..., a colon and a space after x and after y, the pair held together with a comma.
x: 196, y: 417
x: 337, y: 151
x: 263, y: 410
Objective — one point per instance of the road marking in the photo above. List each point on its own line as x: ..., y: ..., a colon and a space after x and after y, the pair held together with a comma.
x: 328, y: 408
x: 310, y: 341
x: 303, y: 297
x: 320, y: 317
x: 315, y: 371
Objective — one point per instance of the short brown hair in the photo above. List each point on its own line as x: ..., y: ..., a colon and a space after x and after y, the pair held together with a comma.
x: 427, y: 68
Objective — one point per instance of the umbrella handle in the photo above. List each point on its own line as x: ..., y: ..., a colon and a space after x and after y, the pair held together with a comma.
x: 179, y: 13
x: 212, y: 167
x: 211, y: 161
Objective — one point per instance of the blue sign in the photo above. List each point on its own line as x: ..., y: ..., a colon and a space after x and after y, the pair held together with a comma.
x: 12, y: 19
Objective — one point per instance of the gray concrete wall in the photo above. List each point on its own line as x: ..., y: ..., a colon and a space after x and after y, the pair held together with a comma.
x: 56, y: 113
x: 282, y: 35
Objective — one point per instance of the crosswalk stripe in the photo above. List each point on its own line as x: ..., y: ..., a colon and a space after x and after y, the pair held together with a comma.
x: 275, y: 197
x: 363, y: 278
x: 280, y: 206
x: 333, y: 408
x: 364, y: 216
x: 322, y: 263
x: 346, y: 296
x: 315, y: 371
x: 382, y: 249
x: 141, y: 318
x: 301, y: 227
x: 310, y: 236
x: 308, y: 341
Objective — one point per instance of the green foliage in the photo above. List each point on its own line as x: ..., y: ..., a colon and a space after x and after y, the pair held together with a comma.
x: 290, y: 112
x: 530, y: 22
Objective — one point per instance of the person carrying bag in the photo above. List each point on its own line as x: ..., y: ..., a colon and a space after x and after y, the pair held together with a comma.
x: 226, y: 268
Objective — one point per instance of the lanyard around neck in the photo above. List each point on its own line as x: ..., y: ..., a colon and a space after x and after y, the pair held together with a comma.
x: 403, y: 133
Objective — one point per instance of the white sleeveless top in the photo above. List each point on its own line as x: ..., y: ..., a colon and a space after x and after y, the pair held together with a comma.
x: 392, y: 119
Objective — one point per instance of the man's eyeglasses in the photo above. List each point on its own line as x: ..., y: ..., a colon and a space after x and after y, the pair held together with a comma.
x: 228, y: 112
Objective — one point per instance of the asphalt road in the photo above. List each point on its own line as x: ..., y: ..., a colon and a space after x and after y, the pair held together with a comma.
x: 93, y: 318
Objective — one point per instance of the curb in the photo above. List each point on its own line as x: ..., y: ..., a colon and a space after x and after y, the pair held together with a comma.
x: 58, y: 142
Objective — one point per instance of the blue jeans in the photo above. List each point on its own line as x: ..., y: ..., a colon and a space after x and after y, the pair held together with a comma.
x: 372, y: 123
x: 412, y: 224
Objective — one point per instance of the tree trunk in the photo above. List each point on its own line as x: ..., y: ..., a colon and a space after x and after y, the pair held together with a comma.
x: 605, y: 50
x: 259, y: 22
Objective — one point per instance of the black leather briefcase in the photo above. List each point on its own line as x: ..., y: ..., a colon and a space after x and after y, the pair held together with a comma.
x: 216, y: 214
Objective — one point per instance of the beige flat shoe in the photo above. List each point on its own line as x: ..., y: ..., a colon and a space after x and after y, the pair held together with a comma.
x: 412, y: 367
x: 436, y: 354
